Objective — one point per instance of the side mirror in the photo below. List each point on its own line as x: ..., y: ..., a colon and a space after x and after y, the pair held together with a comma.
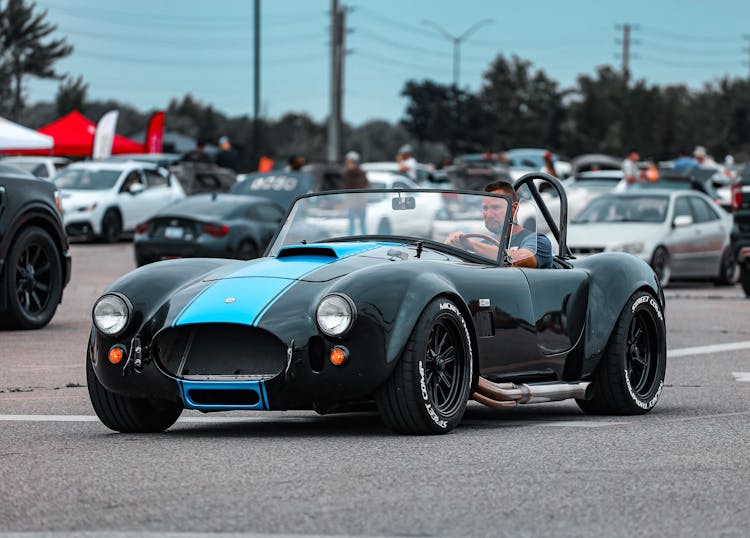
x: 136, y: 188
x: 682, y: 220
x: 401, y: 203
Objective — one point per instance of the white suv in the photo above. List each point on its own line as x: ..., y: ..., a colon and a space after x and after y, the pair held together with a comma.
x: 104, y: 199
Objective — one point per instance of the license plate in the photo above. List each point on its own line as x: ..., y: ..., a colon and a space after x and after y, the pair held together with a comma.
x: 173, y: 232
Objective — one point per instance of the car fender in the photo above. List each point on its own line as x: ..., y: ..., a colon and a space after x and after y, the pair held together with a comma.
x: 614, y: 278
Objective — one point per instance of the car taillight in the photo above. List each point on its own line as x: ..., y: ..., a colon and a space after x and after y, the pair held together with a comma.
x: 216, y: 230
x: 736, y: 196
x: 142, y: 228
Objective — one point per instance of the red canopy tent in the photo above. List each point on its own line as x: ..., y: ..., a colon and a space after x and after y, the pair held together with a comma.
x: 74, y: 137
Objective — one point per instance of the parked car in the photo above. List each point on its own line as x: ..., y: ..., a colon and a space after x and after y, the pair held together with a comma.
x: 42, y: 167
x: 378, y: 212
x: 525, y: 160
x: 681, y: 234
x: 104, y: 199
x: 208, y: 226
x: 741, y: 230
x: 594, y: 162
x: 34, y: 257
x: 314, y: 326
x: 580, y: 189
x: 705, y: 180
x: 279, y: 187
x: 425, y: 174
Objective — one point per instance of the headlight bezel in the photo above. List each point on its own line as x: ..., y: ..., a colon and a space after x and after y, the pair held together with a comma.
x: 634, y: 247
x: 352, y: 314
x: 128, y: 314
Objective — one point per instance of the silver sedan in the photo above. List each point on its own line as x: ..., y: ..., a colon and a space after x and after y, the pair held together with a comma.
x: 681, y: 234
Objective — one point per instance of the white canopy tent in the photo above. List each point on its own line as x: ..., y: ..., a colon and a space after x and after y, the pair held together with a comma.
x: 17, y: 137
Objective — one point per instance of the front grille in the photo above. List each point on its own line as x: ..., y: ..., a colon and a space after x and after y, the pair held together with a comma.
x: 209, y: 350
x: 586, y: 250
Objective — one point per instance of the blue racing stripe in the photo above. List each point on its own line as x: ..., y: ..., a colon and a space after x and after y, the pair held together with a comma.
x: 243, y: 296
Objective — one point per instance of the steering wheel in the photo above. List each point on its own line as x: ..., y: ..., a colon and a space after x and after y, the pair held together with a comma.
x: 486, y: 237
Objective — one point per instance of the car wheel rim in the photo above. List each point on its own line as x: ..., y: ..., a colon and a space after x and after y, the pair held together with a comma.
x: 661, y: 266
x: 33, y: 279
x: 444, y: 371
x: 641, y: 353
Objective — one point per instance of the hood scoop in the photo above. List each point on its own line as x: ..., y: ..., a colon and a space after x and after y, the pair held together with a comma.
x: 305, y: 250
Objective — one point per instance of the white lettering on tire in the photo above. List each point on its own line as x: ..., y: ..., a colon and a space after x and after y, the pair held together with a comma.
x: 643, y: 405
x: 650, y: 300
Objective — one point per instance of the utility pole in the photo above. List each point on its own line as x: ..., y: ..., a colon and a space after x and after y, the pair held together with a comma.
x: 256, y: 150
x: 626, y: 51
x: 457, y: 40
x: 746, y: 37
x: 626, y: 41
x: 338, y: 52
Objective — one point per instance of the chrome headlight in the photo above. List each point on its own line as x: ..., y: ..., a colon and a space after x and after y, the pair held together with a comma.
x: 335, y: 314
x: 634, y: 247
x: 112, y: 313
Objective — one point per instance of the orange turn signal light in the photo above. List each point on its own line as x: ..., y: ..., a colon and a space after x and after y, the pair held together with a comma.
x: 338, y: 356
x: 116, y: 353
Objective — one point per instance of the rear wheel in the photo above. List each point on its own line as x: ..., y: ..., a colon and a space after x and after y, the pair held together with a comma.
x: 630, y: 375
x: 429, y: 388
x: 111, y: 226
x: 745, y: 279
x: 246, y: 250
x: 34, y: 279
x: 661, y: 264
x: 129, y: 415
x: 727, y: 269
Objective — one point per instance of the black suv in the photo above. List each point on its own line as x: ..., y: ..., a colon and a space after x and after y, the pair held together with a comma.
x: 741, y: 230
x: 34, y: 257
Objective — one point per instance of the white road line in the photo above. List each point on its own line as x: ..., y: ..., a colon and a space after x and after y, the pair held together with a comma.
x: 701, y: 350
x: 742, y: 376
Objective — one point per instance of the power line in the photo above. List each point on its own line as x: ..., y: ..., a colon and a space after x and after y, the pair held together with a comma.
x: 702, y: 51
x: 400, y: 45
x: 685, y: 37
x: 686, y: 64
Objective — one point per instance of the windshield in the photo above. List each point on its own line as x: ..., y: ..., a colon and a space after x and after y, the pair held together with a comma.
x: 625, y: 209
x: 428, y: 216
x: 88, y: 179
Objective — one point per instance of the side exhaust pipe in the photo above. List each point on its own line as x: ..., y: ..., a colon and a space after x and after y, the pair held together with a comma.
x: 500, y: 395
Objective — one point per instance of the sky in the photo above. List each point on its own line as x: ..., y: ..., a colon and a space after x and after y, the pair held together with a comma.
x: 146, y: 52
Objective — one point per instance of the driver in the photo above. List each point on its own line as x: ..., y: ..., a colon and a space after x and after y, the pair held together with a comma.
x: 527, y: 249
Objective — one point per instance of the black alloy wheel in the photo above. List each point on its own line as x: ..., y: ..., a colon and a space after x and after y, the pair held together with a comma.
x: 727, y: 269
x: 640, y: 354
x: 35, y: 279
x: 428, y: 389
x: 442, y: 369
x: 629, y: 378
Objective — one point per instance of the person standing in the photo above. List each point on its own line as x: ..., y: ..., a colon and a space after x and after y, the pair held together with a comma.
x: 407, y: 164
x: 353, y: 177
x: 630, y: 171
x: 228, y: 157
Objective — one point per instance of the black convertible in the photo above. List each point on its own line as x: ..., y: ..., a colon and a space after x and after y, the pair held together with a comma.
x: 417, y: 326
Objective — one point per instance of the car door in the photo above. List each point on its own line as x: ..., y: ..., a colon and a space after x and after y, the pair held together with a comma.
x: 710, y: 236
x: 157, y: 193
x: 683, y: 240
x: 130, y: 202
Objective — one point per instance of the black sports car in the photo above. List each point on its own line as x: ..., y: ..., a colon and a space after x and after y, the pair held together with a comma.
x: 34, y: 257
x: 210, y: 226
x: 416, y: 325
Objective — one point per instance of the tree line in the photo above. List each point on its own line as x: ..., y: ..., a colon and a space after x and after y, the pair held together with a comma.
x: 516, y: 105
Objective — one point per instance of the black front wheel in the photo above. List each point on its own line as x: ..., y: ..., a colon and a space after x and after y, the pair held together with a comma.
x: 34, y: 279
x: 129, y: 415
x: 111, y: 227
x: 630, y: 375
x: 429, y: 388
x: 661, y: 264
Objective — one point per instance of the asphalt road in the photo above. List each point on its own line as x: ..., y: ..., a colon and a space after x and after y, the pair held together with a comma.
x: 538, y: 470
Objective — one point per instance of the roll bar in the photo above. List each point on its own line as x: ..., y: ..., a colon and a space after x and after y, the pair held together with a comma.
x: 561, y: 233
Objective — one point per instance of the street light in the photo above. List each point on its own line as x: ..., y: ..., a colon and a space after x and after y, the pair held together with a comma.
x: 457, y: 40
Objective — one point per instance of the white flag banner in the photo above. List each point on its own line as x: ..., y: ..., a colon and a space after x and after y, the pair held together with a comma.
x: 104, y: 136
